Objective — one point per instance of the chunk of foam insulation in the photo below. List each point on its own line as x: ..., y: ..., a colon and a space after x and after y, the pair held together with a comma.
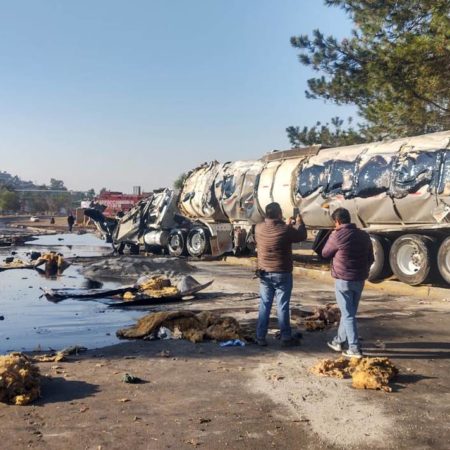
x: 158, y: 287
x: 366, y: 373
x: 19, y: 379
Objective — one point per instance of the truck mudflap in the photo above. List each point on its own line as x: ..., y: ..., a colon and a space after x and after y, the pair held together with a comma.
x: 221, y: 239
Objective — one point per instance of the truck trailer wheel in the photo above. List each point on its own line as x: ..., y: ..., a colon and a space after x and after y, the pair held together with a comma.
x: 412, y: 258
x: 443, y: 259
x: 134, y: 249
x: 177, y: 243
x: 198, y: 242
x: 118, y: 248
x: 380, y: 268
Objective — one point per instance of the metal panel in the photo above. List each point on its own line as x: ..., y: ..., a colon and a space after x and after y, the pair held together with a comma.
x: 197, y: 198
x: 265, y: 185
x: 236, y: 189
x: 284, y: 185
x: 371, y: 193
x: 292, y: 153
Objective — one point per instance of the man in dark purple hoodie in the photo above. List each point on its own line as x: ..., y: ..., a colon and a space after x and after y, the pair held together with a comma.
x: 352, y: 255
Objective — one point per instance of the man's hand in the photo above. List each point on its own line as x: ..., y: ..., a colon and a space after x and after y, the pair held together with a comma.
x: 295, y: 220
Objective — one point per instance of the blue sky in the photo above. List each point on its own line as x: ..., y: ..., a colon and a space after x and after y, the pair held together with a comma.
x: 107, y: 93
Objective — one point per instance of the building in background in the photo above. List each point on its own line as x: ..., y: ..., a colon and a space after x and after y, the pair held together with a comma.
x: 118, y: 202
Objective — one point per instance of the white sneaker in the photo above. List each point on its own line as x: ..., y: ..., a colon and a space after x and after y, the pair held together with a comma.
x: 335, y: 346
x: 352, y: 354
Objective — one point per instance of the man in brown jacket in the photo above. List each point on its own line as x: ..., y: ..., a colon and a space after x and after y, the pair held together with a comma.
x: 274, y: 239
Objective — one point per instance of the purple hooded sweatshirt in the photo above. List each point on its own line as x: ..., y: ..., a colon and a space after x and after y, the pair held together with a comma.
x: 352, y: 253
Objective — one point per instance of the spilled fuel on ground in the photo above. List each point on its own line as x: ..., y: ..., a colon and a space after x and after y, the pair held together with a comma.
x: 30, y: 322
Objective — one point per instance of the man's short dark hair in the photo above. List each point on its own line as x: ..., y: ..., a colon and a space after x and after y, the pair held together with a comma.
x: 273, y: 210
x: 341, y: 215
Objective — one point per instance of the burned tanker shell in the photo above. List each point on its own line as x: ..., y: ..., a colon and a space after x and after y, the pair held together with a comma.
x: 374, y: 177
x: 197, y: 198
x: 415, y: 170
x: 341, y: 177
x: 444, y: 182
x: 312, y: 178
x: 235, y: 188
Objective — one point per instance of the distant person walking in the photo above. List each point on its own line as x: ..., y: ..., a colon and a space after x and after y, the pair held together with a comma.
x: 352, y: 255
x: 274, y: 239
x: 70, y: 222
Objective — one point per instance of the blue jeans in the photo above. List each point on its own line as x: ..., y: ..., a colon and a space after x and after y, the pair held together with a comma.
x: 278, y: 285
x: 348, y: 294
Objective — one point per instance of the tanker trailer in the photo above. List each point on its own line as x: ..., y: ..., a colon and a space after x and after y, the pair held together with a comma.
x: 221, y: 199
x: 396, y: 190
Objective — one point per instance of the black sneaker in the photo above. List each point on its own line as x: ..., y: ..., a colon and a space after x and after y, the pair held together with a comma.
x: 261, y: 342
x: 293, y: 342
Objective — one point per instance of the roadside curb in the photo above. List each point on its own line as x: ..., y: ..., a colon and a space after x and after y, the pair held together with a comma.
x: 388, y: 287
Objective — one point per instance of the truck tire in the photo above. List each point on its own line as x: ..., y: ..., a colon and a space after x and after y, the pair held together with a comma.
x: 177, y: 243
x: 134, y: 249
x: 380, y: 268
x: 412, y: 258
x: 443, y: 259
x: 198, y: 242
x: 118, y: 248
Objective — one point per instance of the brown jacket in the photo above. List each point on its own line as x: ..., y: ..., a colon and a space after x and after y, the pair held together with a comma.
x: 274, y: 241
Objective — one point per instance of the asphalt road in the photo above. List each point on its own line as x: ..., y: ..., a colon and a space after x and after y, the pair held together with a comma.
x: 201, y: 395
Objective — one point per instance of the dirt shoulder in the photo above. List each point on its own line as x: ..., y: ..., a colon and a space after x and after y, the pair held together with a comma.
x: 202, y: 395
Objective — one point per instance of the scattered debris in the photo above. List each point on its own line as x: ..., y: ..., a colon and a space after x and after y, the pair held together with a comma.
x: 128, y: 295
x: 145, y: 290
x: 158, y: 287
x: 131, y: 379
x: 59, y: 356
x: 193, y: 327
x: 313, y: 325
x: 366, y: 373
x: 323, y: 317
x: 73, y: 350
x: 48, y: 357
x: 164, y: 354
x: 19, y: 379
x: 193, y: 442
x: 16, y: 263
x: 54, y: 263
x: 124, y: 400
x: 276, y: 377
x: 233, y: 343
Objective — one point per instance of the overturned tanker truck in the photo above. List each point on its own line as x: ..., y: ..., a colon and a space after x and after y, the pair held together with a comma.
x: 397, y: 190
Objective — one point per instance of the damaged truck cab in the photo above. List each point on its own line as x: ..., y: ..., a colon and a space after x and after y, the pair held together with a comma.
x: 148, y: 224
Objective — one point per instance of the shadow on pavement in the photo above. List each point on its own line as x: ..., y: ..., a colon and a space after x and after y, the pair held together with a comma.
x: 411, y: 350
x: 57, y: 390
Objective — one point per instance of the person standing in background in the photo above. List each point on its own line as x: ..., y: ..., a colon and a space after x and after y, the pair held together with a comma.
x: 70, y: 221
